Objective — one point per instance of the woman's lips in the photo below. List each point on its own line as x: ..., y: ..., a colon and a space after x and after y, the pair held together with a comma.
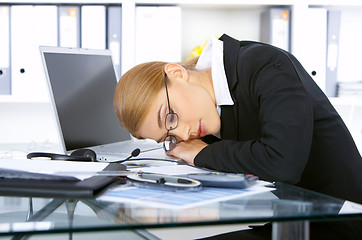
x: 201, y: 131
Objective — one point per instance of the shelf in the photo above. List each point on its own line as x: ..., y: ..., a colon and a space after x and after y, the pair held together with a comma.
x: 45, y: 2
x: 238, y: 18
x: 162, y: 2
x: 200, y: 3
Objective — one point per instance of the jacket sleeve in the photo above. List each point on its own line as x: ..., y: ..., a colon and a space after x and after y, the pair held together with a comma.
x: 285, y: 113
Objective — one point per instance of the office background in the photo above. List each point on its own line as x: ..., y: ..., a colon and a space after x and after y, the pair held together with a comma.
x: 323, y: 35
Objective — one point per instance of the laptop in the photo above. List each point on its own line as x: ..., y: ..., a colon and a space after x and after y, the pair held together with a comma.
x: 81, y: 84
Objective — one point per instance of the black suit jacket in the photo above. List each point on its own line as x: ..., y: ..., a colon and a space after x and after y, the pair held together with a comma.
x: 282, y: 127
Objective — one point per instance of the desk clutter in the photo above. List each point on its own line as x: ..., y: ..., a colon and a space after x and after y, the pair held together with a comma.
x: 45, y: 178
x: 126, y: 201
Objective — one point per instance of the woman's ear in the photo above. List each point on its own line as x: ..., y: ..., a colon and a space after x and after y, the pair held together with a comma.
x: 176, y: 71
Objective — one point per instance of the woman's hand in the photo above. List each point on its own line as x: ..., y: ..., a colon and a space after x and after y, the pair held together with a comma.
x: 187, y: 150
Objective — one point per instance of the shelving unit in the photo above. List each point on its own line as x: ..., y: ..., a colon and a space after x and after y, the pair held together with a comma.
x: 210, y: 18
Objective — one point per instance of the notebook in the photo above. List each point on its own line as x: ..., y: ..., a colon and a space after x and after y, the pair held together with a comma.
x: 26, y: 183
x: 81, y: 85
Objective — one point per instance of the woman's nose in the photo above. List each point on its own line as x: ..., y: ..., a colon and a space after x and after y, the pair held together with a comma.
x: 182, y: 133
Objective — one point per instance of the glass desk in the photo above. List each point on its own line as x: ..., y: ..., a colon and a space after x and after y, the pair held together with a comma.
x: 285, y: 207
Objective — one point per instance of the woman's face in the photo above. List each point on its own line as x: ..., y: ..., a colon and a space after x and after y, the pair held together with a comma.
x: 197, y: 114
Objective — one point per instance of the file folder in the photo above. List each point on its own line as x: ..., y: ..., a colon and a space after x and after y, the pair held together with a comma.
x: 114, y: 35
x: 315, y: 58
x: 69, y: 26
x: 45, y: 34
x: 22, y: 50
x: 31, y: 26
x: 44, y: 185
x: 5, y: 78
x: 274, y: 28
x: 333, y: 29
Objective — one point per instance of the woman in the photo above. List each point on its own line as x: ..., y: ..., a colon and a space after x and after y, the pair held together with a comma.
x: 272, y: 119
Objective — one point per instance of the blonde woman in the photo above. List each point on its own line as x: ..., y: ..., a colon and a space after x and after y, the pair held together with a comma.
x: 270, y: 117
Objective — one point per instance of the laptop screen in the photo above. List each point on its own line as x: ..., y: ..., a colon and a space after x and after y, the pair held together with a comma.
x: 82, y: 83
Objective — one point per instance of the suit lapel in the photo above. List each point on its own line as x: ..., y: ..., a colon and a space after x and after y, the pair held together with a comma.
x: 231, y: 52
x: 229, y: 113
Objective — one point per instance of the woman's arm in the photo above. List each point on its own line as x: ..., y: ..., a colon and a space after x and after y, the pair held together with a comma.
x: 285, y: 113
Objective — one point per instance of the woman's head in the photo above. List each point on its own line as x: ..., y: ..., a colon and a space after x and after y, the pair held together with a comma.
x: 135, y: 92
x: 141, y: 102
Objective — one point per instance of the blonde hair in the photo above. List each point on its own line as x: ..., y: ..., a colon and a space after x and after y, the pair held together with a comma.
x: 137, y: 89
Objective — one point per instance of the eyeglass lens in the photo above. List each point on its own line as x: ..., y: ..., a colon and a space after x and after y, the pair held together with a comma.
x: 170, y: 142
x: 171, y: 121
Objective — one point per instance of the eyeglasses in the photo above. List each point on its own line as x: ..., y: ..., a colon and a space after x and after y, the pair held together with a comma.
x: 171, y: 122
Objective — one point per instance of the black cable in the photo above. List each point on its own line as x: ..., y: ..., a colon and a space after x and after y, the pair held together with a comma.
x: 134, y: 153
x: 137, y: 151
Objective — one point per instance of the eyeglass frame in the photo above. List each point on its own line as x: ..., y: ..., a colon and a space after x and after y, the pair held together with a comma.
x: 171, y: 137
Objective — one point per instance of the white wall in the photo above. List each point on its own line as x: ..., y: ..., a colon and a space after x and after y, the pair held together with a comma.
x: 199, y: 24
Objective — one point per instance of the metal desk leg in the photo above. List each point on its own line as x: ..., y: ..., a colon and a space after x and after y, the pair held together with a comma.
x: 291, y: 230
x: 40, y: 215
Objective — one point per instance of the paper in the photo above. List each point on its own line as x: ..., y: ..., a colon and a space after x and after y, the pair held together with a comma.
x: 53, y: 166
x: 159, y: 198
x: 350, y: 208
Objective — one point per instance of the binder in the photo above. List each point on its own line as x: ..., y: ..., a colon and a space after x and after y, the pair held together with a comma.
x: 22, y: 50
x: 28, y: 184
x: 316, y: 46
x: 158, y: 34
x: 114, y: 35
x: 275, y: 27
x: 31, y: 26
x: 333, y: 29
x: 5, y: 77
x: 93, y: 27
x: 69, y: 26
x: 45, y: 34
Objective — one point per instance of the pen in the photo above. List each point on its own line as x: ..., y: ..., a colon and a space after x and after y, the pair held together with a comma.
x: 162, y: 179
